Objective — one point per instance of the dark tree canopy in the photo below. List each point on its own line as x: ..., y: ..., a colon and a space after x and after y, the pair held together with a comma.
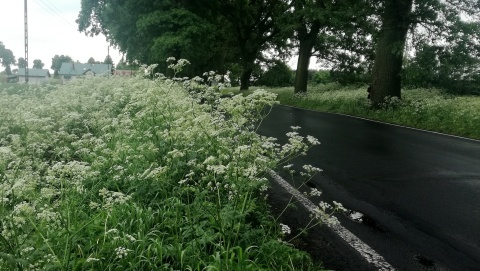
x: 22, y: 63
x: 212, y: 35
x: 108, y: 60
x: 152, y: 31
x: 57, y: 63
x: 354, y: 37
x: 91, y: 60
x: 7, y: 58
x: 38, y: 64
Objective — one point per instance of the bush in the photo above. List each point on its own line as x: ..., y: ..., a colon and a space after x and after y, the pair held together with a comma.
x: 279, y: 75
x: 320, y: 77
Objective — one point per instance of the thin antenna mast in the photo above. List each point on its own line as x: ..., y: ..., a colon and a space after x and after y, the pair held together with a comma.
x: 108, y: 57
x: 26, y: 43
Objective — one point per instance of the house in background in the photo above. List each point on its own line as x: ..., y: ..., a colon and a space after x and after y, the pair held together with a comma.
x: 72, y: 70
x: 35, y: 76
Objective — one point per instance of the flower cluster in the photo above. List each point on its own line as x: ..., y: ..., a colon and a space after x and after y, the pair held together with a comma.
x: 134, y: 166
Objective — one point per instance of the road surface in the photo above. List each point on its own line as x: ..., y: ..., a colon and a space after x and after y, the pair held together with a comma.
x: 414, y: 195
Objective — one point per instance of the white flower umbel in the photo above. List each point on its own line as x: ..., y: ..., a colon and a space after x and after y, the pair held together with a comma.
x: 121, y: 252
x: 285, y: 229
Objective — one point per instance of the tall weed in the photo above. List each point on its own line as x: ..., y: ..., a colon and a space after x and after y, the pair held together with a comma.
x: 116, y: 173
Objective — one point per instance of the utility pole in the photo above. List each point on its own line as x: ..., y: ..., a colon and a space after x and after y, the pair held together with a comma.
x: 26, y: 43
x: 108, y: 57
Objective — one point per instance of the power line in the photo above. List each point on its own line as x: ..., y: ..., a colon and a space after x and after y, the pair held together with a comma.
x: 53, y: 6
x: 58, y: 14
x: 52, y: 11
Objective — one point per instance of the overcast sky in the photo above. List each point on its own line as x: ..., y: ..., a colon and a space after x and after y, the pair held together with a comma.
x: 51, y: 31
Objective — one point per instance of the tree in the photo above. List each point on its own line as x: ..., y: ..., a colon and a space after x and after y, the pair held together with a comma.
x: 454, y: 67
x: 324, y: 26
x: 152, y: 31
x: 389, y: 51
x: 7, y: 58
x: 22, y: 63
x: 123, y: 65
x: 211, y: 34
x: 57, y: 63
x: 38, y: 64
x: 91, y: 60
x: 443, y: 18
x: 257, y: 27
x: 108, y: 60
x: 308, y: 19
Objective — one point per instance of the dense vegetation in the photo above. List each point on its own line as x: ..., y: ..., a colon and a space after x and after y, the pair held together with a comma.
x: 373, y: 37
x: 110, y: 173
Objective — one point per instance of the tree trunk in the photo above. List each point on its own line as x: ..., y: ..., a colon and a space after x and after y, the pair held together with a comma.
x: 304, y: 55
x: 245, y: 77
x: 307, y: 41
x: 389, y: 53
x: 8, y: 71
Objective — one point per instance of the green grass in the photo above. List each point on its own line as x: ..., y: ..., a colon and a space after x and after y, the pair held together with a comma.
x: 429, y: 109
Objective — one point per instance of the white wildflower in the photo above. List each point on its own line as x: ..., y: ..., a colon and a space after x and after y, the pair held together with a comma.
x: 94, y: 205
x: 217, y: 169
x: 311, y: 169
x: 339, y: 206
x: 315, y: 192
x: 112, y: 198
x: 324, y: 206
x: 130, y: 237
x: 112, y: 231
x: 121, y: 252
x: 312, y: 140
x: 209, y: 160
x: 91, y: 259
x: 285, y: 229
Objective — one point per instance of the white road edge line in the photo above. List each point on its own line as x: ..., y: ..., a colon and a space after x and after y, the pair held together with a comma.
x: 365, y: 250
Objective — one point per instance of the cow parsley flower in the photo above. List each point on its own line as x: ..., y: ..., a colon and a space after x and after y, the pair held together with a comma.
x: 315, y: 192
x: 285, y: 229
x: 91, y: 259
x: 121, y: 252
x: 312, y: 140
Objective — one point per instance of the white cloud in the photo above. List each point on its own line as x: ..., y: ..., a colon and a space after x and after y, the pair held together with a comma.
x: 51, y: 31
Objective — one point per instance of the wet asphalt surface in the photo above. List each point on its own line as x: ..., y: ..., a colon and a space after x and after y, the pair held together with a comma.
x: 417, y: 193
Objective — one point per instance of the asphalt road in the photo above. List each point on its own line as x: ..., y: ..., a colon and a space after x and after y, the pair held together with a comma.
x: 418, y: 192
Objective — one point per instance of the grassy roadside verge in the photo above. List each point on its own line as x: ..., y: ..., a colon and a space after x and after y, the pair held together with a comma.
x: 133, y: 174
x: 428, y: 109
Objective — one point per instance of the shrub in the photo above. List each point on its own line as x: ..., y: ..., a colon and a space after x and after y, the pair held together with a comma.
x: 320, y: 77
x: 279, y: 75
